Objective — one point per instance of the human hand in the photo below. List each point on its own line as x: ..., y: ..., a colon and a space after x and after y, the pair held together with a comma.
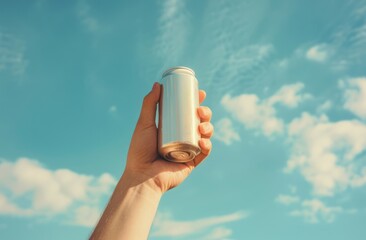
x: 145, y: 165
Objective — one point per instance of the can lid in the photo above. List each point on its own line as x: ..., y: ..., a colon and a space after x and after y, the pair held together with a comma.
x: 179, y: 69
x: 179, y: 151
x: 181, y: 155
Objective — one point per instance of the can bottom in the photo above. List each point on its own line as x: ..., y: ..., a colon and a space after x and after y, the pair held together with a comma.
x: 179, y: 152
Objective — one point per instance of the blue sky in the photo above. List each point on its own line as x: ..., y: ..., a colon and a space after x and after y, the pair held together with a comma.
x: 286, y: 81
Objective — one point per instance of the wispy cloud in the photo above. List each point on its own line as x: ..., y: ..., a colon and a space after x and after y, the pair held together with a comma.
x: 355, y: 95
x: 112, y: 109
x: 283, y: 63
x: 173, y: 26
x: 314, y: 210
x: 324, y: 107
x: 12, y: 54
x: 345, y: 44
x: 29, y: 189
x: 318, y: 53
x: 232, y: 60
x: 287, y: 199
x: 349, y: 38
x: 231, y: 68
x: 88, y: 21
x: 260, y: 114
x: 165, y: 226
x: 225, y: 132
x: 219, y: 233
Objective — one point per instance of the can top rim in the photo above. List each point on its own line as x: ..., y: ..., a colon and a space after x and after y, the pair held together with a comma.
x: 169, y: 70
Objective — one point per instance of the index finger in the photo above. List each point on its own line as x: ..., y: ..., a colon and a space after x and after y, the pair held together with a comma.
x: 202, y: 95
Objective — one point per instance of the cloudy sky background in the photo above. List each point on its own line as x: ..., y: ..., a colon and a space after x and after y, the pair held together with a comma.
x: 286, y: 81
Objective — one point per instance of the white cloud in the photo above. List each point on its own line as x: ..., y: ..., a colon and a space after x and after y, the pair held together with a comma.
x: 48, y: 192
x: 259, y: 114
x: 318, y: 53
x: 287, y: 199
x: 12, y: 54
x: 165, y: 226
x: 315, y: 210
x: 253, y: 113
x: 289, y: 95
x: 325, y: 152
x: 355, y: 95
x: 225, y: 132
x: 173, y: 31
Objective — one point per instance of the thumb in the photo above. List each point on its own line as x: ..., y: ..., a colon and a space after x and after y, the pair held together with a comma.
x: 148, y: 109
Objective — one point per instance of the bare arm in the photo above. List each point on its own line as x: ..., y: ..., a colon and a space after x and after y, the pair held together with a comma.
x: 132, y: 207
x: 129, y: 213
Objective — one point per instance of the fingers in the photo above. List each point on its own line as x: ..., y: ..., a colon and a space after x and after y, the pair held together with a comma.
x: 206, y: 147
x: 206, y: 129
x: 148, y: 109
x: 204, y: 113
x: 202, y: 95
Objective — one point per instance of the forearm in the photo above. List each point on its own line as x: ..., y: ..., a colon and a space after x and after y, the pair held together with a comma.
x: 129, y: 213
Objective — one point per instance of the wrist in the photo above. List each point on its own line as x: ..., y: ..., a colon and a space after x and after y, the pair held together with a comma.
x: 140, y: 184
x: 130, y: 211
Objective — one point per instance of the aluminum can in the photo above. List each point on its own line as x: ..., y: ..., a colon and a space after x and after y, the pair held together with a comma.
x: 178, y: 133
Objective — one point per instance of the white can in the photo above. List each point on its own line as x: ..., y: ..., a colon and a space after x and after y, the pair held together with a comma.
x: 178, y: 133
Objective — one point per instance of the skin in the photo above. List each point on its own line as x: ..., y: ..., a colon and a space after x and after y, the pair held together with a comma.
x: 132, y: 207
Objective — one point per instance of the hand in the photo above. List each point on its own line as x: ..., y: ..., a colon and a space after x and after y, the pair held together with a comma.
x: 145, y: 165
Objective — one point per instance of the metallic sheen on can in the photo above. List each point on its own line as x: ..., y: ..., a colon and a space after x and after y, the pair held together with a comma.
x: 178, y: 133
